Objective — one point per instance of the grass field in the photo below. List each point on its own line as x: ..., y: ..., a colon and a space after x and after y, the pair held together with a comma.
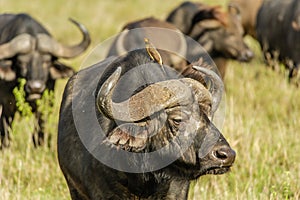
x: 261, y: 122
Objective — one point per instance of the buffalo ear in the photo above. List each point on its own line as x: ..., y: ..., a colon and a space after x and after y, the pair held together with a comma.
x: 129, y: 137
x: 6, y: 72
x: 59, y: 70
x: 235, y: 11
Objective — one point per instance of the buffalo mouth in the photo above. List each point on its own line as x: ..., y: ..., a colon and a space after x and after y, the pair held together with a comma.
x: 217, y: 170
x: 193, y: 172
x: 32, y: 97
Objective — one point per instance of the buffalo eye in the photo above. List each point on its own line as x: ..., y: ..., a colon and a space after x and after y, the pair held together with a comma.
x: 23, y: 67
x: 177, y: 121
x: 178, y: 118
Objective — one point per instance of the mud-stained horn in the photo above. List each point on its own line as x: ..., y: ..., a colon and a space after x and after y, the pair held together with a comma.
x: 49, y: 44
x: 216, y: 87
x: 151, y: 99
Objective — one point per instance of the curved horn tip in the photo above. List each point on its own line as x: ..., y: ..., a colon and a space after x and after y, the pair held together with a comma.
x: 81, y: 26
x: 65, y: 51
x: 75, y: 22
x: 218, y: 86
x: 110, y: 83
x: 105, y: 92
x: 72, y: 20
x: 117, y: 73
x: 112, y: 80
x: 211, y: 73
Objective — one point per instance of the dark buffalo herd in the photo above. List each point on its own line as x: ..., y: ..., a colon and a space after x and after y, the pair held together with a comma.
x: 140, y: 123
x: 27, y: 50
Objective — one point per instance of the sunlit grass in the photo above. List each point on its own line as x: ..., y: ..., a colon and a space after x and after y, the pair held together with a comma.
x: 261, y: 123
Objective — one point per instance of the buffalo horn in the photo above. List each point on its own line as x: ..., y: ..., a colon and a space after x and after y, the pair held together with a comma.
x: 203, y: 96
x: 182, y: 48
x: 143, y: 104
x: 119, y: 43
x: 48, y: 44
x: 216, y: 86
x: 20, y: 44
x: 181, y: 51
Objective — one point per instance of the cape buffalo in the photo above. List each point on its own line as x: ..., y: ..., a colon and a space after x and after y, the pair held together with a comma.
x: 28, y: 51
x: 219, y: 32
x: 279, y: 35
x: 130, y: 130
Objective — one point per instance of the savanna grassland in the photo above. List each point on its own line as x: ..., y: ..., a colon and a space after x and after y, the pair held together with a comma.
x: 262, y: 118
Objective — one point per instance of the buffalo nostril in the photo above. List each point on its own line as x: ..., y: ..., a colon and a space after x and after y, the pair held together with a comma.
x: 225, y: 154
x: 35, y: 87
x: 221, y: 155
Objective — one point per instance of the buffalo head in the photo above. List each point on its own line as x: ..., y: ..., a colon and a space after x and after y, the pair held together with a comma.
x: 141, y: 130
x: 175, y: 113
x: 219, y: 32
x: 28, y: 51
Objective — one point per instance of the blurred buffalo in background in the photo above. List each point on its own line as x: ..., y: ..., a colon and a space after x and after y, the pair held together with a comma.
x: 167, y: 39
x: 219, y: 32
x: 278, y: 32
x: 177, y: 50
x: 27, y: 50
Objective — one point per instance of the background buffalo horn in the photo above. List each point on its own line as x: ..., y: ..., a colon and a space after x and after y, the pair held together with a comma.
x: 179, y: 52
x: 20, y: 44
x: 216, y: 86
x: 151, y: 99
x: 48, y: 44
x: 183, y: 45
x: 119, y: 43
x: 203, y: 96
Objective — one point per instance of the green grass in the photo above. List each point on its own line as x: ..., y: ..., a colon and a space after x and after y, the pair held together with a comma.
x: 261, y: 122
